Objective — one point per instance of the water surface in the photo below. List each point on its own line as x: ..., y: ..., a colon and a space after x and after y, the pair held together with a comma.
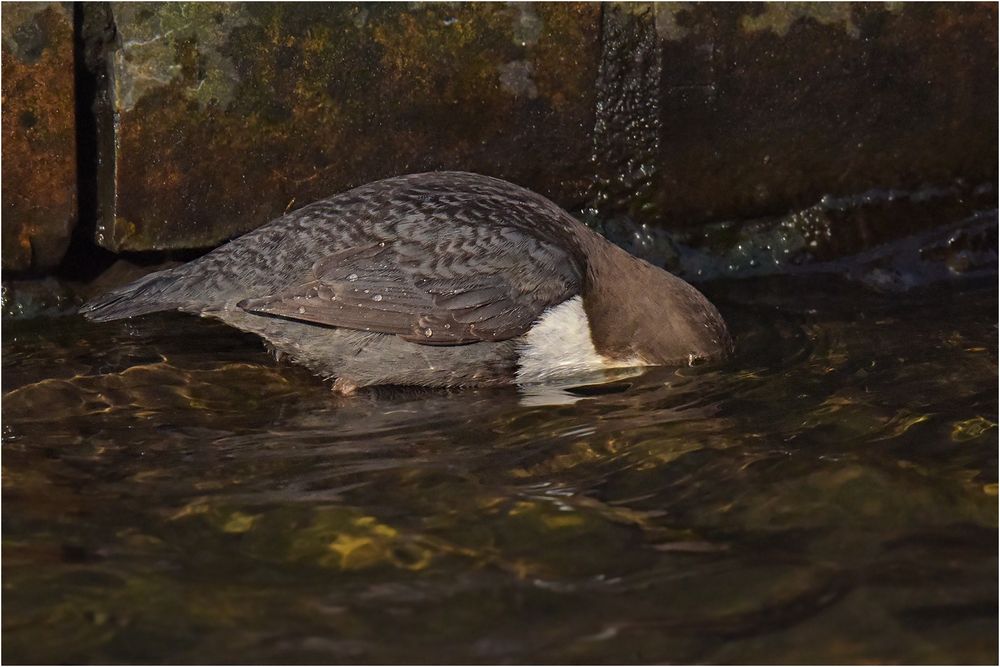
x: 171, y: 494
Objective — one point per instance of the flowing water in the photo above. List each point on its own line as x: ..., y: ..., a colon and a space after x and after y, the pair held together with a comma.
x: 171, y: 494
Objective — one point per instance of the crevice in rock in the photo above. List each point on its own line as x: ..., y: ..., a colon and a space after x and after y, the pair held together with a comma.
x: 84, y: 259
x: 86, y: 262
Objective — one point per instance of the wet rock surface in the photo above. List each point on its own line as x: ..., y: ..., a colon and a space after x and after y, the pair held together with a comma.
x: 28, y: 299
x: 766, y: 108
x: 39, y: 135
x: 227, y: 115
x: 888, y: 239
x: 221, y: 117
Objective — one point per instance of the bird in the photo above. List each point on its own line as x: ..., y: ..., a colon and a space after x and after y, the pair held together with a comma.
x: 438, y: 279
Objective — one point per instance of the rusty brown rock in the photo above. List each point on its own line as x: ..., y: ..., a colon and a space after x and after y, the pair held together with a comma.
x: 229, y: 114
x: 39, y: 135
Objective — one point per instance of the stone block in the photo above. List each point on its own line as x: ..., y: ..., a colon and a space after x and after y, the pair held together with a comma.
x: 225, y: 115
x: 39, y: 134
x: 715, y: 111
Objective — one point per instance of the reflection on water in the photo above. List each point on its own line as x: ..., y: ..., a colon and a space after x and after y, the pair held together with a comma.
x: 171, y: 494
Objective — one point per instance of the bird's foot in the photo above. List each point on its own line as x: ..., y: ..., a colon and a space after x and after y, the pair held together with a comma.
x: 344, y: 387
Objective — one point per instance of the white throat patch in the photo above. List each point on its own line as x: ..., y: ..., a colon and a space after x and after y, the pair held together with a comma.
x: 558, y: 346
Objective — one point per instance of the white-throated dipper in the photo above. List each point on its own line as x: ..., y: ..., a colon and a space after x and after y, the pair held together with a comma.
x: 438, y: 279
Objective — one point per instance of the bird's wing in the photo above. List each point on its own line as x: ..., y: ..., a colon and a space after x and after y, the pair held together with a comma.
x: 471, y: 285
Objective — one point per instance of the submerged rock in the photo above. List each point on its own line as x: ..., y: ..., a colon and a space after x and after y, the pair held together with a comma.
x: 889, y: 240
x: 27, y: 299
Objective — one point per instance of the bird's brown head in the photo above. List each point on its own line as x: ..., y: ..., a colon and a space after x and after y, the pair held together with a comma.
x: 641, y: 312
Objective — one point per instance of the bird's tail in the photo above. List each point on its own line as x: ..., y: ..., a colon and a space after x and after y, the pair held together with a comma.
x: 155, y: 292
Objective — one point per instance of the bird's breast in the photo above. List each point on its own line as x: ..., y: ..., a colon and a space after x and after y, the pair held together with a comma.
x: 559, y: 346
